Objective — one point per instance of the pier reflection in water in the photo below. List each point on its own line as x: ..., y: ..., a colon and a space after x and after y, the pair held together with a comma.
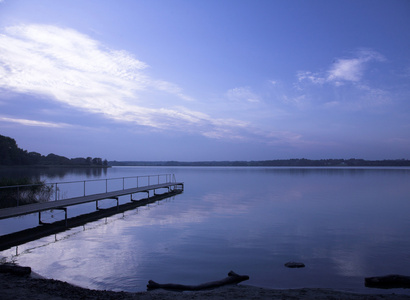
x: 344, y: 224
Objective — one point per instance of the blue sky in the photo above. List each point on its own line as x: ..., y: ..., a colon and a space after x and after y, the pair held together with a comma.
x: 207, y: 80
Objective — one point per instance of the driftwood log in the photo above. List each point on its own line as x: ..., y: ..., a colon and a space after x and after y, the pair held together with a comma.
x: 232, y: 278
x: 388, y: 282
x: 293, y: 264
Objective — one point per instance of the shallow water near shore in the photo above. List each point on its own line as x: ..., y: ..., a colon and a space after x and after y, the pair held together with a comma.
x: 343, y: 223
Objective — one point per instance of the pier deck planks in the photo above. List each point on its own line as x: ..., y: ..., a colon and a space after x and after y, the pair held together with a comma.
x: 38, y: 207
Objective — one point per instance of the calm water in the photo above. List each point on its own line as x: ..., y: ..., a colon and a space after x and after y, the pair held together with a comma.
x: 344, y: 224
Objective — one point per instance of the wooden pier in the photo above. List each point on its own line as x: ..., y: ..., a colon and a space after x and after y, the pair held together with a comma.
x: 16, y: 211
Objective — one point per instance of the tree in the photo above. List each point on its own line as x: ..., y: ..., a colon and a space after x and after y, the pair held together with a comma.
x: 10, y: 154
x: 97, y: 161
x: 54, y: 159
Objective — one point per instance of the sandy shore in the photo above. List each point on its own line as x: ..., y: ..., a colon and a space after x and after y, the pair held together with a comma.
x: 30, y: 287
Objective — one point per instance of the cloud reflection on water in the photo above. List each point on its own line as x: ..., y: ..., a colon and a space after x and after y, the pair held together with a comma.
x: 338, y: 223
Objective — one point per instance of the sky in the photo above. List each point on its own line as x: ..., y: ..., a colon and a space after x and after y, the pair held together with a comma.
x: 207, y: 80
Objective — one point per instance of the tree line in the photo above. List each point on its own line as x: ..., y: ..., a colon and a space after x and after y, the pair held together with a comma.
x: 297, y: 162
x: 12, y: 155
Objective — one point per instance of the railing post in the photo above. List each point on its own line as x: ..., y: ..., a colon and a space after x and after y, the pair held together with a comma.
x: 169, y: 178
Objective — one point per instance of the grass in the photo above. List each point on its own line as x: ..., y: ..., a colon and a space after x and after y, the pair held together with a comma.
x: 15, y: 192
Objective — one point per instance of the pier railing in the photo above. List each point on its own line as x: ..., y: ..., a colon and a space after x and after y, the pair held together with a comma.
x: 50, y: 191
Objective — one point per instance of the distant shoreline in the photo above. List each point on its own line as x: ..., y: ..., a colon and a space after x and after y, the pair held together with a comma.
x: 271, y: 163
x: 55, y: 166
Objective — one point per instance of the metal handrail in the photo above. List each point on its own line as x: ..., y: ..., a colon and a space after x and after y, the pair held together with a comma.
x: 169, y: 178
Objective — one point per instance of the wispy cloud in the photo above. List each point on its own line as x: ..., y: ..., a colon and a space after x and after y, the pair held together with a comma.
x: 298, y: 101
x: 343, y: 69
x: 35, y: 123
x: 315, y: 78
x: 242, y: 94
x: 75, y: 70
x: 71, y: 68
x: 346, y: 70
x: 344, y: 84
x: 351, y: 69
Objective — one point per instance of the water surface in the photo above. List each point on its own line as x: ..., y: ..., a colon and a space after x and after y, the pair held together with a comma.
x: 344, y: 224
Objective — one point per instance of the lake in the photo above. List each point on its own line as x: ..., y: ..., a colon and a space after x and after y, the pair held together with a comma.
x: 344, y: 224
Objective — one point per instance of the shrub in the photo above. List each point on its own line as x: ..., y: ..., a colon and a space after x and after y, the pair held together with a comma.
x: 15, y: 192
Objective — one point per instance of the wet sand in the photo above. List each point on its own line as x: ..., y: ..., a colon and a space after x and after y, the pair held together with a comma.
x: 32, y: 287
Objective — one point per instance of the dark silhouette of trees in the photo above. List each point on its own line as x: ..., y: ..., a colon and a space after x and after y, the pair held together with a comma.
x: 97, y: 161
x: 9, y: 152
x: 302, y: 162
x: 12, y: 155
x: 54, y: 159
